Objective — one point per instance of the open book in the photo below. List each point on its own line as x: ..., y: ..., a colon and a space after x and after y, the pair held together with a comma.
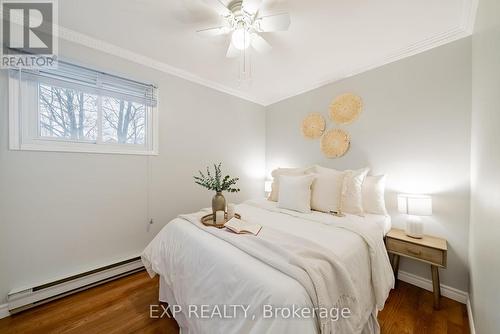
x: 239, y: 226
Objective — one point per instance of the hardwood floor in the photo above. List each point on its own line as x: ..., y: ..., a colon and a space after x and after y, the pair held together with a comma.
x: 410, y: 310
x: 122, y: 306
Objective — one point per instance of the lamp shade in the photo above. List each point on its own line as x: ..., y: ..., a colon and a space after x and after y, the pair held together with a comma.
x: 416, y: 205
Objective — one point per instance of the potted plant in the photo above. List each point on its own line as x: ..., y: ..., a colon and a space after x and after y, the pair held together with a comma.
x: 218, y: 184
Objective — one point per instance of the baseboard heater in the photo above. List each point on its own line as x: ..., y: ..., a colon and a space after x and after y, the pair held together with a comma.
x: 24, y: 299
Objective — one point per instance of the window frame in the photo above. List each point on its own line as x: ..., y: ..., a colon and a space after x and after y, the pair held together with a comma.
x: 24, y: 125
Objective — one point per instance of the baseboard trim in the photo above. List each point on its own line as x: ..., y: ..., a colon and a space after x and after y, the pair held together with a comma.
x: 424, y: 283
x: 4, y: 311
x: 21, y: 299
x: 470, y: 316
x: 452, y: 293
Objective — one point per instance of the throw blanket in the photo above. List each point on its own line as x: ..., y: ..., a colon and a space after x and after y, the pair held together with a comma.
x: 382, y: 274
x: 317, y: 269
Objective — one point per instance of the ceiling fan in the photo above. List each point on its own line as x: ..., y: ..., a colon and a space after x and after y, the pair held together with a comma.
x: 241, y: 19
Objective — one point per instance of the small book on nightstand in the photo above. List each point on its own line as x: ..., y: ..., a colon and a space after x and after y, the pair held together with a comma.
x: 239, y: 226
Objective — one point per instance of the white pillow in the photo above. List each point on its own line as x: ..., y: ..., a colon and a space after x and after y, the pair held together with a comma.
x: 326, y: 190
x: 295, y: 192
x: 282, y: 171
x: 373, y: 195
x: 352, y: 201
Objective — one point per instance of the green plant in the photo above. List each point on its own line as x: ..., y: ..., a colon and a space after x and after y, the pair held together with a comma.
x: 215, y: 181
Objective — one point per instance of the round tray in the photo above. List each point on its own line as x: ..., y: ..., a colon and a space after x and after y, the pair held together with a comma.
x: 208, y: 220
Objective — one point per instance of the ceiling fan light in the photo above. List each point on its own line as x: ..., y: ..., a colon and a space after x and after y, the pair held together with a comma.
x: 241, y: 39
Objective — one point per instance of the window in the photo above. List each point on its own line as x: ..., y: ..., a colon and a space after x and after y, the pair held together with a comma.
x: 76, y: 109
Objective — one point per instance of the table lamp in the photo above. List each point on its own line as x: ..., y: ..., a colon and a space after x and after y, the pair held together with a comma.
x: 415, y: 206
x: 268, y: 186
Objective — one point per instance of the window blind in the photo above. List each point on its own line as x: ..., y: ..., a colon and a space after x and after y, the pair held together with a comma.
x: 93, y: 81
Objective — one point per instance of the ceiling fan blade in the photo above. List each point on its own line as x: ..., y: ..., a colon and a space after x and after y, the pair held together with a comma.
x: 218, y: 6
x: 232, y: 52
x: 252, y: 6
x: 260, y: 44
x: 210, y: 32
x: 278, y: 22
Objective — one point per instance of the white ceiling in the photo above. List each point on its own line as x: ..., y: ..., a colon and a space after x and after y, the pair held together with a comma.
x: 328, y: 39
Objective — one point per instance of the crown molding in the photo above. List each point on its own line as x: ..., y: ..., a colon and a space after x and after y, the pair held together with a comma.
x: 465, y: 29
x: 100, y: 45
x: 469, y: 11
x: 411, y: 50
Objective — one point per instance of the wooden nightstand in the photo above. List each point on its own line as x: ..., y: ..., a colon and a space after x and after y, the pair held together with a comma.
x: 429, y: 249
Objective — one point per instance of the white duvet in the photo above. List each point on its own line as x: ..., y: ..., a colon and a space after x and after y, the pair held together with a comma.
x: 199, y: 270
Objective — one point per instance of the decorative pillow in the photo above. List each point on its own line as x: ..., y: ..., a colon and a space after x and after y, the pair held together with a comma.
x: 295, y: 192
x: 283, y: 171
x: 352, y: 200
x: 373, y: 195
x: 326, y: 190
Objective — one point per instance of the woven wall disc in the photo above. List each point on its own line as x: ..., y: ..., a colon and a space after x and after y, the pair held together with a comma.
x: 346, y: 108
x: 335, y: 143
x: 313, y: 125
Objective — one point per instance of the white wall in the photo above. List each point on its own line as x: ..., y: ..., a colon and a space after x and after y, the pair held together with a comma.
x: 484, y: 248
x: 415, y: 128
x: 63, y: 213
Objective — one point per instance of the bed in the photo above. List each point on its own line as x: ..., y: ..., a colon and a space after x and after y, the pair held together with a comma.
x: 246, y: 285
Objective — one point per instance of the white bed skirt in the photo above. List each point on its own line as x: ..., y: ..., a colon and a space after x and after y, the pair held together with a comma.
x: 166, y: 296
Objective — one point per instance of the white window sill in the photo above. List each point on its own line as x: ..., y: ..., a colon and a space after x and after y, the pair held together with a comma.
x: 82, y: 148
